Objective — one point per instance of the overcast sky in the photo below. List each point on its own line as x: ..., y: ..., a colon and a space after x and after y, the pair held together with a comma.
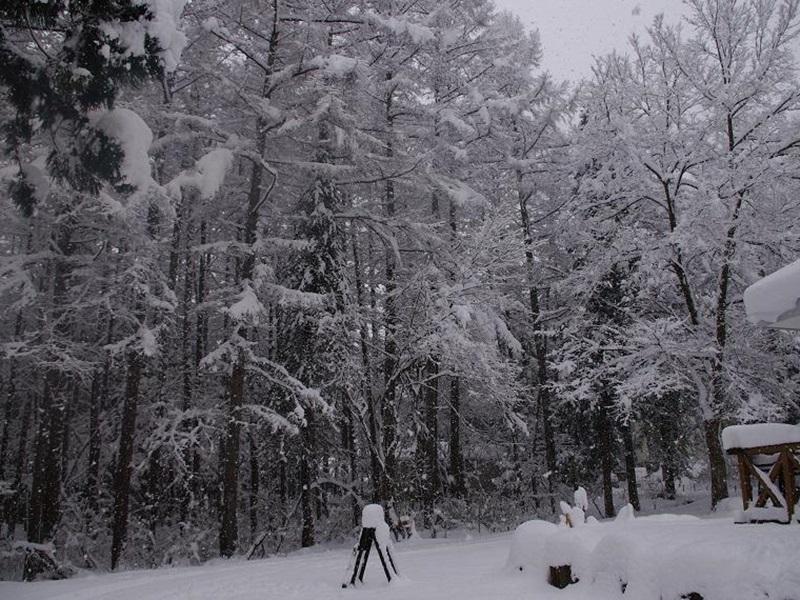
x: 574, y: 30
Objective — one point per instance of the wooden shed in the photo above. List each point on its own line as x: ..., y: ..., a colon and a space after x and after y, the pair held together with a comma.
x: 767, y: 454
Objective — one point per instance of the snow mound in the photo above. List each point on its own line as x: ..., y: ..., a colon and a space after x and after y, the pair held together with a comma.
x: 626, y: 513
x: 527, y: 546
x: 759, y: 434
x: 667, y: 557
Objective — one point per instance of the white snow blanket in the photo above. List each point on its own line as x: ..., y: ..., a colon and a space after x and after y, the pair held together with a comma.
x: 666, y: 555
x: 774, y: 301
x: 759, y: 434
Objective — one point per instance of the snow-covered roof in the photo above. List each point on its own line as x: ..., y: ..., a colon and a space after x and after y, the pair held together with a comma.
x: 758, y: 435
x: 774, y: 301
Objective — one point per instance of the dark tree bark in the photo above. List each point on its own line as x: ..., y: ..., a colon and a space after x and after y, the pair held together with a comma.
x: 306, y: 489
x: 44, y: 510
x: 456, y: 458
x: 255, y: 486
x: 430, y: 394
x: 630, y: 466
x: 389, y: 407
x: 228, y: 532
x: 719, y: 480
x: 124, y: 466
x: 93, y: 459
x: 374, y: 445
x: 605, y: 436
x: 8, y: 417
x: 538, y: 347
x: 668, y: 474
x: 16, y: 501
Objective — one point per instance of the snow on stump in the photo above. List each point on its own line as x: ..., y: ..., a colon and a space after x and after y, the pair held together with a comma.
x: 768, y: 453
x: 528, y: 547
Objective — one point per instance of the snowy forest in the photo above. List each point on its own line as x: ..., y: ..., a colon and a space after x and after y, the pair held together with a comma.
x: 267, y: 261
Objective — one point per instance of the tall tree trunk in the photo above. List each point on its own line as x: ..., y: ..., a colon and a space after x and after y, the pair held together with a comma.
x: 630, y: 465
x: 456, y: 459
x: 8, y: 417
x: 124, y: 466
x: 349, y: 444
x: 389, y: 408
x: 430, y: 395
x: 606, y: 447
x: 668, y: 475
x: 306, y: 481
x: 719, y: 481
x: 98, y: 393
x: 16, y: 501
x: 228, y: 531
x: 93, y: 460
x: 44, y: 509
x: 373, y: 443
x: 456, y: 462
x: 255, y: 484
x: 188, y: 366
x: 538, y: 348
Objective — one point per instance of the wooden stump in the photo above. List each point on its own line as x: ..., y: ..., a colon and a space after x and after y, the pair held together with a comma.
x: 561, y: 576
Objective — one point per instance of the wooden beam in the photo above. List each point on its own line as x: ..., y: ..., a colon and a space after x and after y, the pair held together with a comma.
x: 765, y: 490
x: 788, y: 481
x: 744, y: 481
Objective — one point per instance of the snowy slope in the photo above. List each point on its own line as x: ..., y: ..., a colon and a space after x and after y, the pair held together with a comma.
x: 433, y: 569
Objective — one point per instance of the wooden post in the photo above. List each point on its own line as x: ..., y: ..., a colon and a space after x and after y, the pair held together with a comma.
x: 788, y: 482
x: 744, y: 480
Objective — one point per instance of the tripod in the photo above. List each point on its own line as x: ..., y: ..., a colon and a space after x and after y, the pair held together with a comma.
x: 361, y: 554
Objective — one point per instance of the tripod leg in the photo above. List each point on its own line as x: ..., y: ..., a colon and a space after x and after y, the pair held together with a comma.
x: 391, y: 560
x: 355, y: 568
x: 364, y: 564
x: 383, y: 561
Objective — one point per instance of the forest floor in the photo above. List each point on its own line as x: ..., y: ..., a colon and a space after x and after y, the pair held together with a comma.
x: 656, y: 552
x: 440, y: 569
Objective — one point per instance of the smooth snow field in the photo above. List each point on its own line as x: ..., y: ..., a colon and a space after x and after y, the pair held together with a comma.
x: 432, y: 570
x: 661, y: 557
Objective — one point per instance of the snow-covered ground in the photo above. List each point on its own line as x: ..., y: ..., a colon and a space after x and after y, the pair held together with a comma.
x: 431, y: 569
x: 736, y: 556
